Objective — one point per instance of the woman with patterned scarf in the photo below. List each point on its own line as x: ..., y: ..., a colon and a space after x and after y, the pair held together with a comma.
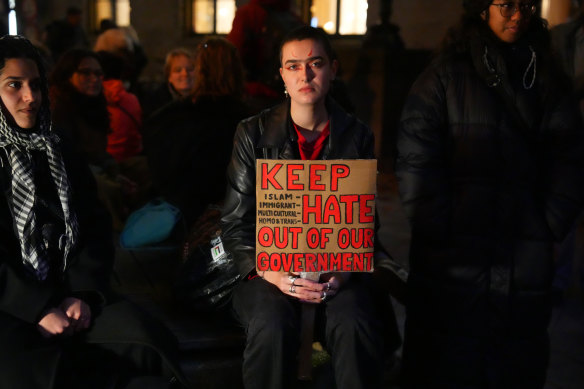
x: 490, y: 161
x: 60, y: 324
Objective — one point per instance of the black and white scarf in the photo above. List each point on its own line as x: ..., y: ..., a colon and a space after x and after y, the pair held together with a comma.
x: 17, y: 145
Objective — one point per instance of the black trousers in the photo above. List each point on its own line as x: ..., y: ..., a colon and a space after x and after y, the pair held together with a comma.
x: 347, y: 324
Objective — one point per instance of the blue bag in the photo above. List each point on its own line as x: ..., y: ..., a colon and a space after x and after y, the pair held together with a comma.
x: 149, y: 225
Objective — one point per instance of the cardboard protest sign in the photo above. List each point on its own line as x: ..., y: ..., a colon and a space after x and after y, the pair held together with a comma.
x: 315, y: 216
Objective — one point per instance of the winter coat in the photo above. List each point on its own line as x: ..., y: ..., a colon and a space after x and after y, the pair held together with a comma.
x: 29, y: 361
x: 85, y: 120
x: 124, y: 140
x: 486, y: 201
x: 157, y: 98
x: 188, y: 147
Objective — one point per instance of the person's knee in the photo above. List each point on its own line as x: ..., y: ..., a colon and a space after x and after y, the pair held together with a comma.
x: 351, y: 308
x: 270, y: 329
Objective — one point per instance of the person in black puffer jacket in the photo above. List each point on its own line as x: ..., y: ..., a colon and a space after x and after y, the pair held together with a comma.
x: 490, y: 162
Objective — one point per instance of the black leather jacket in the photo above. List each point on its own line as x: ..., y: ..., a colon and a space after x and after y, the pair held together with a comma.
x: 270, y: 135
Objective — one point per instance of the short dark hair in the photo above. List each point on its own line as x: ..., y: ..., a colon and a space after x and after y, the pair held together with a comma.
x: 307, y: 32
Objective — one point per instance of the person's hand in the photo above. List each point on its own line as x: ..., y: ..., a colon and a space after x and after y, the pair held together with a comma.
x: 332, y: 283
x: 78, y: 312
x: 53, y: 323
x: 304, y: 290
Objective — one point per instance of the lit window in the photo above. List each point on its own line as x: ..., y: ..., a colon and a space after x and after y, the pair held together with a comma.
x: 212, y: 16
x: 118, y: 10
x: 123, y: 10
x: 103, y: 10
x: 350, y: 19
x: 12, y: 24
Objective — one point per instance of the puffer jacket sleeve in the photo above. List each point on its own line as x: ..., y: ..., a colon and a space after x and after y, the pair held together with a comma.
x: 238, y: 217
x: 422, y: 162
x: 563, y: 149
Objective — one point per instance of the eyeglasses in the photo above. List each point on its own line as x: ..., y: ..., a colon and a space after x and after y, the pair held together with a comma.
x: 88, y: 72
x: 509, y: 9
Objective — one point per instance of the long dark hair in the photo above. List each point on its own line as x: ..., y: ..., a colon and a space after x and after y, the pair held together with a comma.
x: 67, y: 66
x: 62, y: 92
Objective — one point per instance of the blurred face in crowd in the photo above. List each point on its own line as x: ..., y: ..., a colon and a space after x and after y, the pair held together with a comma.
x: 88, y: 77
x: 509, y: 19
x: 20, y: 90
x: 182, y: 74
x: 307, y: 71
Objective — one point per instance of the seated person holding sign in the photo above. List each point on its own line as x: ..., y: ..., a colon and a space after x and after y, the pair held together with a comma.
x: 309, y: 126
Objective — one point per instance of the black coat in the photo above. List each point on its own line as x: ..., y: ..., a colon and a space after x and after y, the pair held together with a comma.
x: 486, y: 202
x: 188, y: 146
x: 85, y: 120
x: 27, y: 360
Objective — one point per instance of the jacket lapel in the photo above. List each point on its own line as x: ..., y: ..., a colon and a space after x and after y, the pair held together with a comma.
x: 277, y: 139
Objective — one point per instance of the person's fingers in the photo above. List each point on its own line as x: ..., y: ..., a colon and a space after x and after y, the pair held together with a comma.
x: 307, y: 294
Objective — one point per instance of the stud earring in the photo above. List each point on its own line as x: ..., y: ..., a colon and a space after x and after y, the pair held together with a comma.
x: 286, y: 91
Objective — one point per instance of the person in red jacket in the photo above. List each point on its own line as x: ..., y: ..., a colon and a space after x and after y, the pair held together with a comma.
x: 124, y: 140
